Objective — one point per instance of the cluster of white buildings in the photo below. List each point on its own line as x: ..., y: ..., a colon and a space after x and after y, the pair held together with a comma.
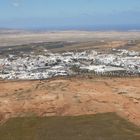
x: 61, y: 64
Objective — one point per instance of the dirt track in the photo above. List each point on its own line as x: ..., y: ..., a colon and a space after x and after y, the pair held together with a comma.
x: 72, y: 96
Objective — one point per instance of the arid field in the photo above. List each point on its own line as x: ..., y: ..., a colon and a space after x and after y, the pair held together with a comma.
x: 71, y: 96
x: 13, y: 37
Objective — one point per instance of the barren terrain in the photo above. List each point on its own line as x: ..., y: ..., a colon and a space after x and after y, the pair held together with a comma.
x: 11, y: 38
x: 71, y: 97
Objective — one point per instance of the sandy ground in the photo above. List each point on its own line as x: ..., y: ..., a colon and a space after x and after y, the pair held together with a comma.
x: 71, y: 96
x: 22, y: 37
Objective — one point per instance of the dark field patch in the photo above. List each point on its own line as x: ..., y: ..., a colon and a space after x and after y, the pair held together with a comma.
x: 28, y: 48
x: 38, y: 48
x: 98, y: 127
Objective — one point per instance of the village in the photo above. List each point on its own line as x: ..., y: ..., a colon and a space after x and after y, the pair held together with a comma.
x: 118, y: 62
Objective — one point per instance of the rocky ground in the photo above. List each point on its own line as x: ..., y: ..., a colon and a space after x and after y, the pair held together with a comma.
x: 71, y: 96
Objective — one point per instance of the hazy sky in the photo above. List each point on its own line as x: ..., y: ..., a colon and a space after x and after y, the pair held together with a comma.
x: 55, y: 13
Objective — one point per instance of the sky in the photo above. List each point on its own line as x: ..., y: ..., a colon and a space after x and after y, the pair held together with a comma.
x: 69, y: 13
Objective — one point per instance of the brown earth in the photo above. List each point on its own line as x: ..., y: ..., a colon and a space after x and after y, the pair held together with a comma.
x: 96, y: 45
x: 71, y: 96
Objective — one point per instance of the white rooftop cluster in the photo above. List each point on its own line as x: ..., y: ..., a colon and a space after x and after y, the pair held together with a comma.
x: 56, y: 64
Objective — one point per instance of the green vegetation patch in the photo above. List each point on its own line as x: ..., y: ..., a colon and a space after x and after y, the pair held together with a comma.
x: 93, y: 127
